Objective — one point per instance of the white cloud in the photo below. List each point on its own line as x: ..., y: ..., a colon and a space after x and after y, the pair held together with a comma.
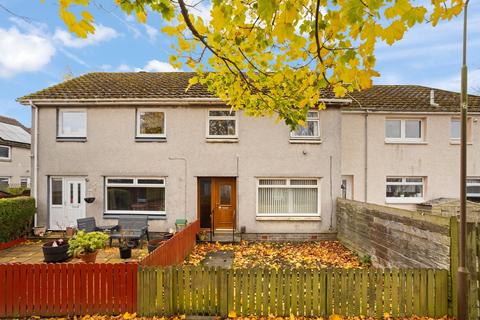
x: 23, y: 52
x: 151, y: 32
x: 453, y: 82
x: 157, y: 66
x: 124, y: 68
x: 102, y: 34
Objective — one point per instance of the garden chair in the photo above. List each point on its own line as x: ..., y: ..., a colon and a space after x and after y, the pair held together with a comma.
x: 90, y: 225
x: 131, y: 229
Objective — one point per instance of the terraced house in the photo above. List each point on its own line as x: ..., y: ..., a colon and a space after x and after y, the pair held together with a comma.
x: 141, y: 145
x: 14, y: 154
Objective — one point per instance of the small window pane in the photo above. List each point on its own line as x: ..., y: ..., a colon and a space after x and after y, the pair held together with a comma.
x: 414, y: 179
x: 4, y: 182
x: 303, y: 182
x: 225, y: 194
x: 394, y: 179
x: 312, y: 115
x: 4, y: 152
x: 473, y: 181
x: 57, y: 191
x: 25, y: 182
x: 150, y: 181
x: 455, y: 129
x: 152, y: 123
x: 221, y: 113
x: 221, y: 127
x: 120, y: 180
x: 73, y: 123
x: 413, y: 129
x: 272, y: 182
x: 393, y: 129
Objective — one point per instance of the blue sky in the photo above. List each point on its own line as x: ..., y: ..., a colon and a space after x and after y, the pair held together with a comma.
x: 36, y: 50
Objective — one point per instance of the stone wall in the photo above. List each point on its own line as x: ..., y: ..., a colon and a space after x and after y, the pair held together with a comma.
x: 394, y: 237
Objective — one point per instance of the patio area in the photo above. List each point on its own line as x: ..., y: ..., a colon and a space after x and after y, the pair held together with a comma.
x: 31, y: 252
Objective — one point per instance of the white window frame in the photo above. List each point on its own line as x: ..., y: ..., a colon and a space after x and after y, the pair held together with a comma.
x: 60, y: 124
x: 473, y: 184
x: 287, y: 185
x: 406, y: 200
x: 27, y: 180
x: 316, y: 119
x: 9, y: 179
x: 222, y: 137
x: 402, y: 138
x: 134, y: 184
x: 150, y: 135
x: 9, y: 152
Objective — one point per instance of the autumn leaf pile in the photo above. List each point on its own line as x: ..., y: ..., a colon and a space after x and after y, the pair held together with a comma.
x: 133, y: 316
x: 322, y: 254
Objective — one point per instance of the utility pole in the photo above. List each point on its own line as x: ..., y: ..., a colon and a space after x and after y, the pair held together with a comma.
x: 462, y: 273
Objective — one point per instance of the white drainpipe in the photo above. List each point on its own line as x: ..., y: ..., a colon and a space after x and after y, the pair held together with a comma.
x: 34, y: 155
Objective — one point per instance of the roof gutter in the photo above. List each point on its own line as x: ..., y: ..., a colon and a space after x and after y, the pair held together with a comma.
x: 154, y: 101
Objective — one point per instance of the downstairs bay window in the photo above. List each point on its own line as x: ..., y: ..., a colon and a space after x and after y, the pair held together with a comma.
x: 135, y: 196
x: 295, y: 197
x: 405, y: 189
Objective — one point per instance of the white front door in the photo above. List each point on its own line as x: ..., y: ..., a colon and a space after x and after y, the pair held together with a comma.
x: 66, y: 201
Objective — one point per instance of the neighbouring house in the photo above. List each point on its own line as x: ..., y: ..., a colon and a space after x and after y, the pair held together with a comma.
x: 141, y: 145
x: 14, y: 154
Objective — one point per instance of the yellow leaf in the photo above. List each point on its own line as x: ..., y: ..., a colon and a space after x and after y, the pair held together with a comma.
x: 232, y: 314
x: 335, y: 317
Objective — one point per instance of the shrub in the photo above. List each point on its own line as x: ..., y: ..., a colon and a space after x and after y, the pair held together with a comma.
x: 84, y: 242
x: 16, y: 215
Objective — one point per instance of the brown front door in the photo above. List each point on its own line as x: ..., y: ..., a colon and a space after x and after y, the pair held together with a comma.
x: 217, y: 199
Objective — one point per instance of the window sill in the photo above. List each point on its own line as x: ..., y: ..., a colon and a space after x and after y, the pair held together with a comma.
x: 457, y: 142
x: 305, y: 141
x: 5, y: 160
x: 406, y: 142
x: 150, y: 216
x: 273, y: 218
x: 404, y: 200
x: 65, y: 139
x: 221, y: 140
x: 139, y: 139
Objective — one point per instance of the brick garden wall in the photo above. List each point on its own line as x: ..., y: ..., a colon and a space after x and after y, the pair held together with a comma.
x: 394, y: 237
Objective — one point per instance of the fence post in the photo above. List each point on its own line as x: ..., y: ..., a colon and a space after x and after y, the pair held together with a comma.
x: 453, y: 266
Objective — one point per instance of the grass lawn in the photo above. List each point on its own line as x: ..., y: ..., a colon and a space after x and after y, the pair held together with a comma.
x: 321, y: 254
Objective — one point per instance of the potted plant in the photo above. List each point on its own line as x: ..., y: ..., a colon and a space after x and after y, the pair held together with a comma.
x: 125, y: 248
x: 85, y: 245
x: 55, y: 251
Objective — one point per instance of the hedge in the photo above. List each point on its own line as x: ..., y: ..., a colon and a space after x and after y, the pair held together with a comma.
x: 16, y: 215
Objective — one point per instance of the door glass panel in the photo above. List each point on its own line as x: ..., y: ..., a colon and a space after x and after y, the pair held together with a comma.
x: 79, y: 193
x: 57, y: 191
x: 225, y: 194
x: 71, y: 192
x: 205, y: 199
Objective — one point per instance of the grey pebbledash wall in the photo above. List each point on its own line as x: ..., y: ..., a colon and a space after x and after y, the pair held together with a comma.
x: 394, y: 237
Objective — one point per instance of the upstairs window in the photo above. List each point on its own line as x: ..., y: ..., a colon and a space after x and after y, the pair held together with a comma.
x: 456, y: 130
x: 404, y: 189
x: 311, y: 130
x: 150, y: 124
x: 222, y: 124
x: 72, y: 123
x: 404, y: 130
x: 5, y: 153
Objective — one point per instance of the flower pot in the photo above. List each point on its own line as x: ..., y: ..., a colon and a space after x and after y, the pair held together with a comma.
x: 70, y: 231
x: 153, y: 244
x: 89, y: 257
x: 57, y: 253
x: 125, y: 252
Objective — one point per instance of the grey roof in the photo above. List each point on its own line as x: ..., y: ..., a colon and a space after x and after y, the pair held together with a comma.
x: 13, y: 131
x: 98, y: 86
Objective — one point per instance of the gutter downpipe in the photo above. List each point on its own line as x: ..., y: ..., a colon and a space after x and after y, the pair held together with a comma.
x: 366, y: 157
x: 34, y: 155
x: 185, y: 183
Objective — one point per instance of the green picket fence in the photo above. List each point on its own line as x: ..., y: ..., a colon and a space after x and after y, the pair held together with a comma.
x: 348, y: 292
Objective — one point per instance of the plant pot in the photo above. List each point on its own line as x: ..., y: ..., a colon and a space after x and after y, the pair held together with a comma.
x: 39, y: 231
x: 153, y: 244
x: 55, y: 254
x: 89, y: 257
x: 125, y: 252
x: 70, y: 231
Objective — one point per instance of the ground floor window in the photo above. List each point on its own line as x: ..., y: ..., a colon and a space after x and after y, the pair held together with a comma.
x: 288, y: 197
x: 405, y: 189
x: 135, y: 195
x: 4, y: 182
x: 473, y: 189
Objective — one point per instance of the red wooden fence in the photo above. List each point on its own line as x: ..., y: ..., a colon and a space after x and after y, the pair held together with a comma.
x: 67, y: 289
x: 174, y: 250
